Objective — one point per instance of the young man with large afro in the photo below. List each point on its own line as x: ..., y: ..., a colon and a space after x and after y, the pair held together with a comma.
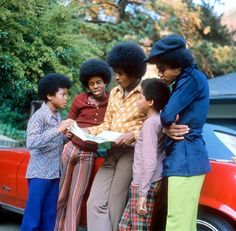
x: 78, y: 157
x: 109, y: 191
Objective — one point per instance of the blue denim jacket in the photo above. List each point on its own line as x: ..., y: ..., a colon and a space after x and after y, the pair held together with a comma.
x: 189, y: 99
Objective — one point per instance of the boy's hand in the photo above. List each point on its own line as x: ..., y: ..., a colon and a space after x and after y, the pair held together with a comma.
x: 176, y: 131
x: 125, y: 139
x: 64, y: 125
x: 142, y: 205
x: 69, y: 135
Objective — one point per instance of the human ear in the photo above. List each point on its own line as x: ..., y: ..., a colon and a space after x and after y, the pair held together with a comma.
x: 150, y: 103
x: 178, y: 70
x: 49, y: 97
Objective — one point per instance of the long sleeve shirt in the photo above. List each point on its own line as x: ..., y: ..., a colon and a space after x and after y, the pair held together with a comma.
x: 148, y: 155
x: 189, y: 99
x: 45, y: 144
x: 87, y: 115
x: 122, y: 114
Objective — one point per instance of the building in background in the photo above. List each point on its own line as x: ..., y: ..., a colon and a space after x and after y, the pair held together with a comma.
x: 223, y: 100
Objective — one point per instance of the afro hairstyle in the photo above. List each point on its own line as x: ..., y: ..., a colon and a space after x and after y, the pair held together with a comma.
x: 128, y: 57
x: 50, y: 84
x: 154, y: 89
x: 94, y: 67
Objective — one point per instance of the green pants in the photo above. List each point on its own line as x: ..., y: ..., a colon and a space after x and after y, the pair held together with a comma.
x: 183, y: 197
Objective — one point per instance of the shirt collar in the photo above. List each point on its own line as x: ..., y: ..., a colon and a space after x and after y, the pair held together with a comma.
x: 103, y: 102
x: 184, y: 74
x: 136, y: 89
x: 188, y: 70
x: 47, y: 111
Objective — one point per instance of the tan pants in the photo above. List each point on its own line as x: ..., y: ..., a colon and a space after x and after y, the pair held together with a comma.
x: 108, y: 196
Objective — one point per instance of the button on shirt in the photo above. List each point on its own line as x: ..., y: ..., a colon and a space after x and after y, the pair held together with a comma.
x: 122, y: 114
x: 189, y: 99
x: 45, y: 144
x: 87, y: 114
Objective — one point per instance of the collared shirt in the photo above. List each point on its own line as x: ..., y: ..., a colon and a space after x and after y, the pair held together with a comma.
x: 189, y: 99
x: 87, y: 114
x: 122, y: 114
x: 45, y: 144
x: 148, y: 155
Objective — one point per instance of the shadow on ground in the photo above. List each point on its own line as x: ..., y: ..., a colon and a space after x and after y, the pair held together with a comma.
x: 10, y: 221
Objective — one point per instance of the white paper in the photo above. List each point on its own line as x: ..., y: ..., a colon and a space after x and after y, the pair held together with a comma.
x: 105, y: 136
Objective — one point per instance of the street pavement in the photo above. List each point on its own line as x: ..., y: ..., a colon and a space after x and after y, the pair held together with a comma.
x: 11, y: 222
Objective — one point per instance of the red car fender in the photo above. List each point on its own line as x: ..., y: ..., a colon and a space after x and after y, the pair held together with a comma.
x: 219, y: 189
x: 11, y: 160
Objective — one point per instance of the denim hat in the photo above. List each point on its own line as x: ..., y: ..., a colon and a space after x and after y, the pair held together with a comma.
x: 165, y: 44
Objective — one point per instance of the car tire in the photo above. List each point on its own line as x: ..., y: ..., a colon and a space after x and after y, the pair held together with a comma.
x: 212, y: 222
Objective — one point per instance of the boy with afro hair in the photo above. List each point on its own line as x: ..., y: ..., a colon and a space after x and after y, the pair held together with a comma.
x: 45, y: 141
x: 78, y: 157
x: 109, y: 191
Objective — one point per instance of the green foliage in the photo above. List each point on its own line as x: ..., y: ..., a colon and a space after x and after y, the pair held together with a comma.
x: 204, y: 33
x: 37, y: 37
x: 218, y: 60
x: 42, y: 36
x: 224, y: 59
x: 10, y: 131
x: 212, y: 30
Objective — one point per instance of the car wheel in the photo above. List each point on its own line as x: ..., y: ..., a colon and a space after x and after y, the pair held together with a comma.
x: 212, y: 222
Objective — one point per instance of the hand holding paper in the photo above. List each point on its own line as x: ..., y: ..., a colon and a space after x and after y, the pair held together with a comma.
x: 105, y: 136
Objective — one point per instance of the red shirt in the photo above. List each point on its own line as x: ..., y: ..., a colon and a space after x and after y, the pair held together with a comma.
x: 87, y: 115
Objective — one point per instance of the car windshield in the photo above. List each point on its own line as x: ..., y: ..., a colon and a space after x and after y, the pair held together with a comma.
x: 220, y: 142
x: 228, y: 140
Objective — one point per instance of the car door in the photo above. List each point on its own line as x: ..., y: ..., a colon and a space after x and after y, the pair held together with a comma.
x: 10, y: 161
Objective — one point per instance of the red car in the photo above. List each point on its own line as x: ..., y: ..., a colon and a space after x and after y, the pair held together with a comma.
x: 218, y: 198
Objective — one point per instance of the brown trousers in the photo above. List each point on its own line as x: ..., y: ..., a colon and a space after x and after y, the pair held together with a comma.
x: 108, y: 195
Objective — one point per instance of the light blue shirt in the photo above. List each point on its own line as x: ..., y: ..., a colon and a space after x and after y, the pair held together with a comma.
x: 45, y: 144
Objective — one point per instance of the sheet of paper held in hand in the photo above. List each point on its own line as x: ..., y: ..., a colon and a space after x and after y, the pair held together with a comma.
x: 105, y: 136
